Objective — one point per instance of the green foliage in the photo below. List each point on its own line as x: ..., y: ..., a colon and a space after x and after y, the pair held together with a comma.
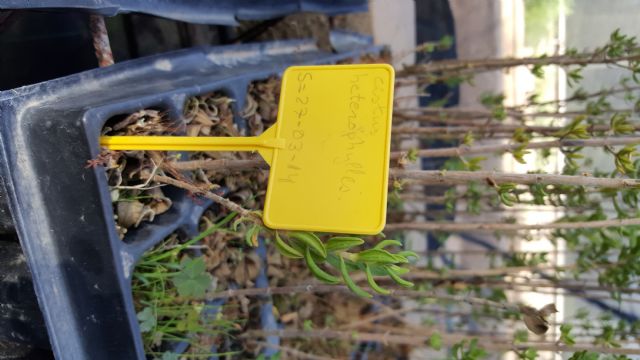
x: 464, y: 164
x: 192, y: 279
x: 338, y: 243
x: 565, y: 334
x: 251, y: 235
x: 146, y: 319
x: 521, y: 136
x: 537, y: 70
x: 495, y: 103
x: 507, y: 193
x: 584, y: 355
x: 435, y: 341
x: 468, y: 350
x: 539, y: 193
x: 620, y: 44
x: 412, y: 155
x: 620, y: 124
x: 317, y: 271
x: 168, y: 355
x: 309, y: 241
x: 574, y: 76
x: 444, y: 43
x: 169, y: 288
x: 520, y: 336
x: 337, y: 252
x: 468, y: 139
x: 526, y: 259
x: 474, y: 163
x: 607, y: 337
x: 576, y: 129
x: 624, y: 160
x: 307, y: 325
x: 519, y: 153
x: 275, y: 356
x: 571, y: 157
x: 529, y: 354
x: 285, y: 249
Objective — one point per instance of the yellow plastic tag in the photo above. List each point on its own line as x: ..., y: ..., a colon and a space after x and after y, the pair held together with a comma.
x: 332, y: 173
x: 328, y: 151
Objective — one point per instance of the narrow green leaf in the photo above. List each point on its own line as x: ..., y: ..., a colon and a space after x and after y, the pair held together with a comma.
x: 408, y: 254
x: 377, y: 256
x: 286, y: 250
x: 400, y: 281
x: 396, y: 269
x: 338, y: 243
x: 350, y: 284
x: 251, y: 236
x: 310, y: 240
x: 384, y: 243
x: 372, y: 283
x: 317, y: 271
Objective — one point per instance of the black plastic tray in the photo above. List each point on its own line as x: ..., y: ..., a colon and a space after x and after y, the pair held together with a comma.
x: 62, y: 210
x: 218, y: 12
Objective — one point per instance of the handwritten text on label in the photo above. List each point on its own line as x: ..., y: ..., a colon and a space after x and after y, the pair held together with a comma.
x: 295, y: 143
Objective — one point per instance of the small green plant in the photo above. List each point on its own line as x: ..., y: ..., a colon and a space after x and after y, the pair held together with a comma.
x: 337, y: 252
x: 169, y: 289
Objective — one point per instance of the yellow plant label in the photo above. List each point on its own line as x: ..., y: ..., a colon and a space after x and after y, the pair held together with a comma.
x: 331, y: 172
x: 328, y: 150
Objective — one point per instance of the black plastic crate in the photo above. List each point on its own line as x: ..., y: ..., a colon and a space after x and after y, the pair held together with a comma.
x: 62, y: 210
x: 219, y: 12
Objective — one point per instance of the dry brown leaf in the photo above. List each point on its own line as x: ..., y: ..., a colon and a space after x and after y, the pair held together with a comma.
x: 289, y: 317
x: 536, y: 320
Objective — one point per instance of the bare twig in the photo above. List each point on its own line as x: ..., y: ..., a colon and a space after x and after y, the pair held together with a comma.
x: 479, y: 128
x: 501, y: 148
x: 466, y: 227
x: 487, y: 342
x: 430, y: 114
x: 429, y: 199
x: 437, y: 177
x: 230, y: 205
x: 219, y: 164
x: 145, y: 185
x: 318, y: 289
x: 580, y: 97
x: 291, y: 351
x: 480, y: 65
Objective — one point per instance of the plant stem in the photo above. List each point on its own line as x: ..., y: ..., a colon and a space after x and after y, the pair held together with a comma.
x: 444, y: 115
x: 482, y: 129
x: 466, y: 227
x: 488, y: 343
x: 481, y: 65
x: 228, y: 204
x: 318, y: 289
x: 429, y: 199
x: 578, y: 97
x: 507, y: 285
x: 437, y: 177
x: 501, y: 148
x: 457, y: 273
x: 220, y: 164
x: 297, y: 354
